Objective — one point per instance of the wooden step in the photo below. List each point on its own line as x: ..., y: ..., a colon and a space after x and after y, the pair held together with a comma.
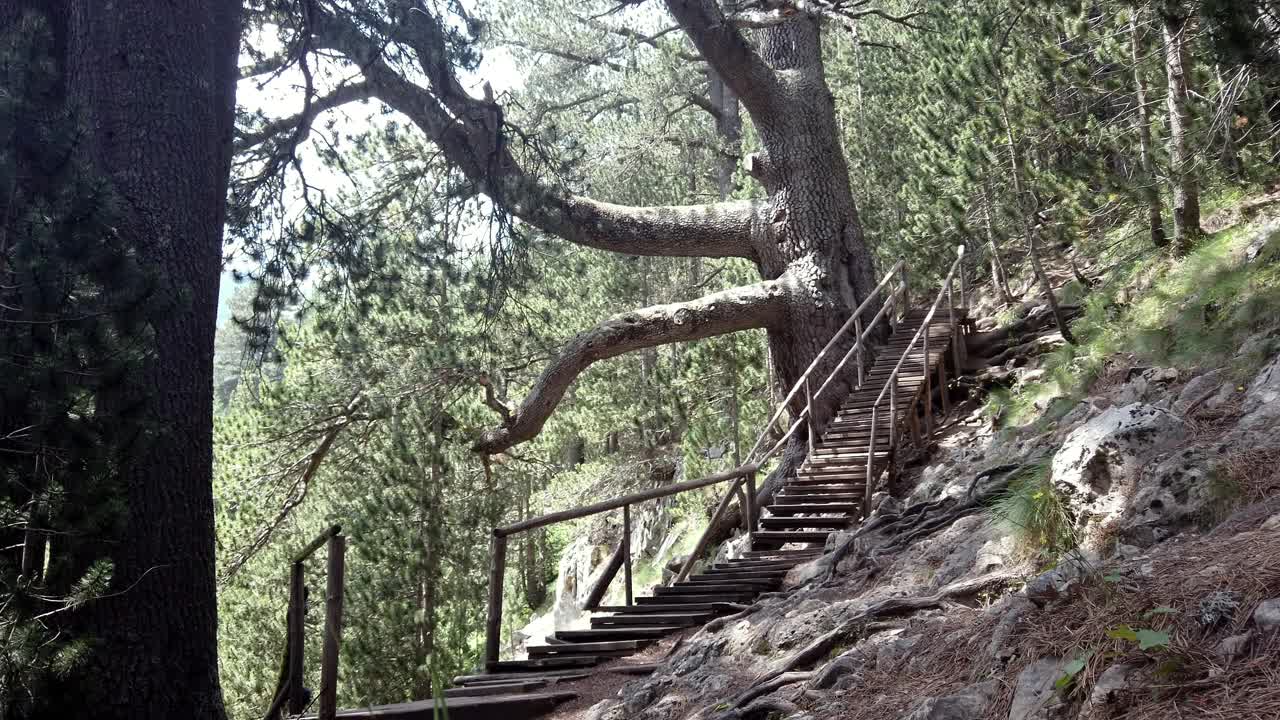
x: 661, y: 608
x: 730, y: 573
x: 800, y: 555
x: 755, y: 564
x: 815, y: 508
x: 754, y: 582
x: 517, y: 705
x: 648, y: 632
x: 831, y: 488
x: 699, y: 589
x: 782, y: 537
x: 498, y: 678
x: 503, y: 688
x: 798, y: 523
x: 612, y: 648
x: 548, y: 663
x: 654, y: 620
x: 737, y: 596
x: 805, y: 494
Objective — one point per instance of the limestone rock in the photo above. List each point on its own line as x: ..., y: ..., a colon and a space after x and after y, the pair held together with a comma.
x: 1099, y: 465
x: 1035, y: 697
x: 1233, y: 646
x: 1170, y: 496
x: 968, y: 704
x: 1267, y: 617
x: 1198, y: 389
x: 1055, y: 584
x: 1261, y: 408
x: 1113, y: 680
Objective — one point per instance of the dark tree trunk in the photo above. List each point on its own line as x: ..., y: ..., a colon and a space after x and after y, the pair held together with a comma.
x: 1186, y: 191
x: 1150, y: 189
x: 156, y: 83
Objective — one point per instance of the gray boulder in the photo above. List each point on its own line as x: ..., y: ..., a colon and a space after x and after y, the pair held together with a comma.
x: 1100, y: 463
x: 968, y: 704
x: 1267, y: 617
x: 1035, y: 697
x: 1110, y: 684
x: 1198, y: 390
x: 1171, y: 496
x: 1260, y: 411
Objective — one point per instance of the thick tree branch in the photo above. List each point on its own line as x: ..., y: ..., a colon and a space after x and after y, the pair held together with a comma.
x: 469, y: 132
x: 760, y: 305
x: 724, y: 47
x: 343, y: 94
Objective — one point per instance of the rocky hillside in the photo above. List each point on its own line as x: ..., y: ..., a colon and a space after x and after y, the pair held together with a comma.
x: 1094, y: 535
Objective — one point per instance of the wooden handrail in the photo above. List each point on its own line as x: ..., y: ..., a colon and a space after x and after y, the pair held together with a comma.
x: 799, y: 383
x: 891, y: 383
x: 619, y: 502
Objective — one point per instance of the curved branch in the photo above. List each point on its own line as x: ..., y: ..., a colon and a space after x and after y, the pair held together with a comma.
x: 749, y: 307
x: 723, y: 46
x: 469, y: 132
x: 343, y: 94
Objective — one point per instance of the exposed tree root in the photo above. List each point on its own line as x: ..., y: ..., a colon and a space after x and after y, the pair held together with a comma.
x: 919, y: 520
x: 856, y: 626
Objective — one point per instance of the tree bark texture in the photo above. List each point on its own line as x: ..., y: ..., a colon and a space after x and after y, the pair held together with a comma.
x: 156, y: 83
x: 1150, y: 189
x: 1186, y: 191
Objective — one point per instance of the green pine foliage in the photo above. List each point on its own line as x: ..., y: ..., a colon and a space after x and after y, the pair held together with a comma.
x: 73, y: 306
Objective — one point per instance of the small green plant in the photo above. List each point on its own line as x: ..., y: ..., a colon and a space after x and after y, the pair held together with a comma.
x: 1071, y: 670
x: 1146, y: 638
x: 1034, y: 512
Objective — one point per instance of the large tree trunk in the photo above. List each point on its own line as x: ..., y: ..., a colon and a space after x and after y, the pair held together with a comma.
x: 1186, y: 191
x: 1150, y: 189
x: 156, y: 81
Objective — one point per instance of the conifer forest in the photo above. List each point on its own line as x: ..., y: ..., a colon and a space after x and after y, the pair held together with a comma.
x: 301, y: 299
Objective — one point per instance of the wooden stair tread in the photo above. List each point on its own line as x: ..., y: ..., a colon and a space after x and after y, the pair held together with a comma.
x: 656, y: 619
x: 585, y: 647
x: 814, y: 508
x: 784, y: 523
x: 466, y: 708
x: 645, y: 632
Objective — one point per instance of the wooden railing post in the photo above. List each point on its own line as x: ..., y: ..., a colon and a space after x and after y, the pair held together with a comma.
x: 906, y: 298
x: 928, y: 384
x: 858, y: 359
x: 808, y: 408
x: 871, y: 458
x: 332, y: 628
x: 750, y: 508
x: 626, y: 549
x: 493, y: 625
x: 893, y: 414
x: 955, y: 336
x: 297, y: 618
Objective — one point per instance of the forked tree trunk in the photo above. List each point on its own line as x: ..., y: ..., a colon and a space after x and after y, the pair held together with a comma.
x: 998, y: 279
x: 1150, y: 188
x: 805, y: 237
x: 156, y: 81
x: 1186, y: 191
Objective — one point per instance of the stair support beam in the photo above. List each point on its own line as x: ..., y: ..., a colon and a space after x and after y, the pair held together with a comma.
x: 493, y: 623
x: 626, y: 550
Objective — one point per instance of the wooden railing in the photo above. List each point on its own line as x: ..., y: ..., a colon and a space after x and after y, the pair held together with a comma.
x: 892, y: 295
x: 890, y: 386
x: 291, y: 695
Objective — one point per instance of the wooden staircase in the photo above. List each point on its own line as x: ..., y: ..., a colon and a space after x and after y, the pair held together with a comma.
x: 826, y: 494
x: 829, y: 488
x: 829, y: 492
